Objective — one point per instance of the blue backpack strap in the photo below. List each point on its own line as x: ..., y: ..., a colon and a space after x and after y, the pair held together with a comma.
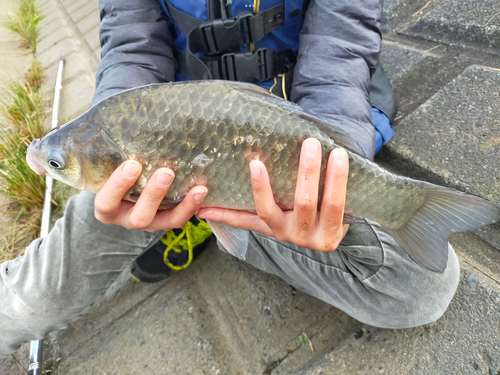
x: 219, y: 41
x: 224, y: 35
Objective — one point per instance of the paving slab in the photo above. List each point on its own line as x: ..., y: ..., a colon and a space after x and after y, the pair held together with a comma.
x: 400, y: 61
x: 77, y: 37
x: 90, y: 23
x: 227, y: 315
x: 97, y: 54
x: 75, y: 7
x: 51, y: 56
x: 73, y: 47
x: 92, y: 39
x: 54, y: 26
x: 52, y: 39
x: 466, y: 23
x: 409, y: 68
x: 466, y: 340
x: 77, y: 97
x: 17, y: 363
x: 390, y: 5
x: 456, y: 133
x: 48, y: 16
x: 453, y: 139
x: 80, y: 13
x: 74, y: 67
x: 45, y: 6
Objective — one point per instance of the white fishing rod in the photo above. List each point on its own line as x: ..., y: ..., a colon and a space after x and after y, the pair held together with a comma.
x: 36, y: 348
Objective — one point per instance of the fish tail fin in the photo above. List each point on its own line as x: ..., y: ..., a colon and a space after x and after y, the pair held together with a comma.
x: 425, y: 236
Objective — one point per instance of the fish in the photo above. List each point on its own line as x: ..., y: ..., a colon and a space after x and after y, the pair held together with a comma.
x: 207, y: 132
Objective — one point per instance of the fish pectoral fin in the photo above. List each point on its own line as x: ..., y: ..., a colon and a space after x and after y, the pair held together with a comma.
x: 234, y: 240
x: 425, y: 236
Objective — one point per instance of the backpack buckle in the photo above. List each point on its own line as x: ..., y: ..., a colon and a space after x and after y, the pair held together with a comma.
x: 245, y: 66
x: 226, y: 35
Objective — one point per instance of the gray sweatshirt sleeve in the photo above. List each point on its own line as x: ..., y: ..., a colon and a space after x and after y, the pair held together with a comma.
x: 338, y: 52
x: 136, y: 40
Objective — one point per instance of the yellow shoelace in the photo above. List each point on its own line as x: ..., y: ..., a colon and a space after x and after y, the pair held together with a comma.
x: 190, y: 237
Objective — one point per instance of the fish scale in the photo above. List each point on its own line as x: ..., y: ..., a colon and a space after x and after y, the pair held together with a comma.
x: 239, y: 131
x: 207, y: 132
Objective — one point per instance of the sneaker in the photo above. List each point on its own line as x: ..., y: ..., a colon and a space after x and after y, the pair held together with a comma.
x: 175, y: 251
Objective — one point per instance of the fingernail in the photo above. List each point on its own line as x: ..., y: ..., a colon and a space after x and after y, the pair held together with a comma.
x: 163, y: 179
x: 339, y: 154
x: 311, y: 146
x: 198, y: 197
x: 255, y: 170
x: 131, y: 168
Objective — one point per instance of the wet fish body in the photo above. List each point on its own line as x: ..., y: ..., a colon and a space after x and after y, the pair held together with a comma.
x: 207, y: 132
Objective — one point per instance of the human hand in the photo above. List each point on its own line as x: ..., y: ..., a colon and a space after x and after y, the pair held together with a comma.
x: 305, y: 226
x: 144, y: 214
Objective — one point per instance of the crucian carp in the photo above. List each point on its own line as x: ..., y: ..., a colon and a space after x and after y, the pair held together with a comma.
x: 207, y: 132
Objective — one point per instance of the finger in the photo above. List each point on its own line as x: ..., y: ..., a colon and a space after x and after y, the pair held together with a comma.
x: 267, y: 209
x: 180, y: 215
x: 306, y: 192
x: 108, y: 199
x: 238, y: 219
x: 334, y: 197
x: 144, y: 211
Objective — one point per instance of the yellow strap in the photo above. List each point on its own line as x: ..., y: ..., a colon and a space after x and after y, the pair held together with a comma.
x: 275, y: 83
x: 283, y: 89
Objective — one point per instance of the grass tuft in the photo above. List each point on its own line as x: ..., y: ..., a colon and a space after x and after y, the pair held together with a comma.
x: 34, y: 76
x: 25, y: 23
x: 17, y: 180
x: 22, y: 105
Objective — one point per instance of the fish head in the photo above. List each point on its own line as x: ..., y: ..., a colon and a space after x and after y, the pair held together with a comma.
x: 78, y: 153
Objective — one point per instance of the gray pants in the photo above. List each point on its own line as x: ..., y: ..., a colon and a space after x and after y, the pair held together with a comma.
x: 58, y: 278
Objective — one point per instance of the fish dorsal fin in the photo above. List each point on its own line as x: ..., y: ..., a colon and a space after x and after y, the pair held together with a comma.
x: 339, y: 136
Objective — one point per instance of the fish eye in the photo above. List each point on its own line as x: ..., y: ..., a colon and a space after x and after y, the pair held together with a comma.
x: 56, y: 160
x: 54, y: 164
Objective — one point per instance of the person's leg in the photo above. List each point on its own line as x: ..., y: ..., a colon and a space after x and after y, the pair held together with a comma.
x: 60, y: 276
x: 369, y: 277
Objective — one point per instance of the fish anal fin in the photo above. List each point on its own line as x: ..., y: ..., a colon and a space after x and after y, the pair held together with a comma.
x: 234, y: 240
x: 348, y: 219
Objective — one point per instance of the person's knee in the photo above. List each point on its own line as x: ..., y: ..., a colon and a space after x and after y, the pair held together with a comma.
x: 427, y: 299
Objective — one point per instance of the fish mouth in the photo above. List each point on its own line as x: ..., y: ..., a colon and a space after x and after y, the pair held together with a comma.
x: 32, y: 162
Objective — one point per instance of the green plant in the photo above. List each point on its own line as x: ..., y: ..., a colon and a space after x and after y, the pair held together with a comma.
x: 17, y: 180
x: 21, y: 104
x: 25, y: 23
